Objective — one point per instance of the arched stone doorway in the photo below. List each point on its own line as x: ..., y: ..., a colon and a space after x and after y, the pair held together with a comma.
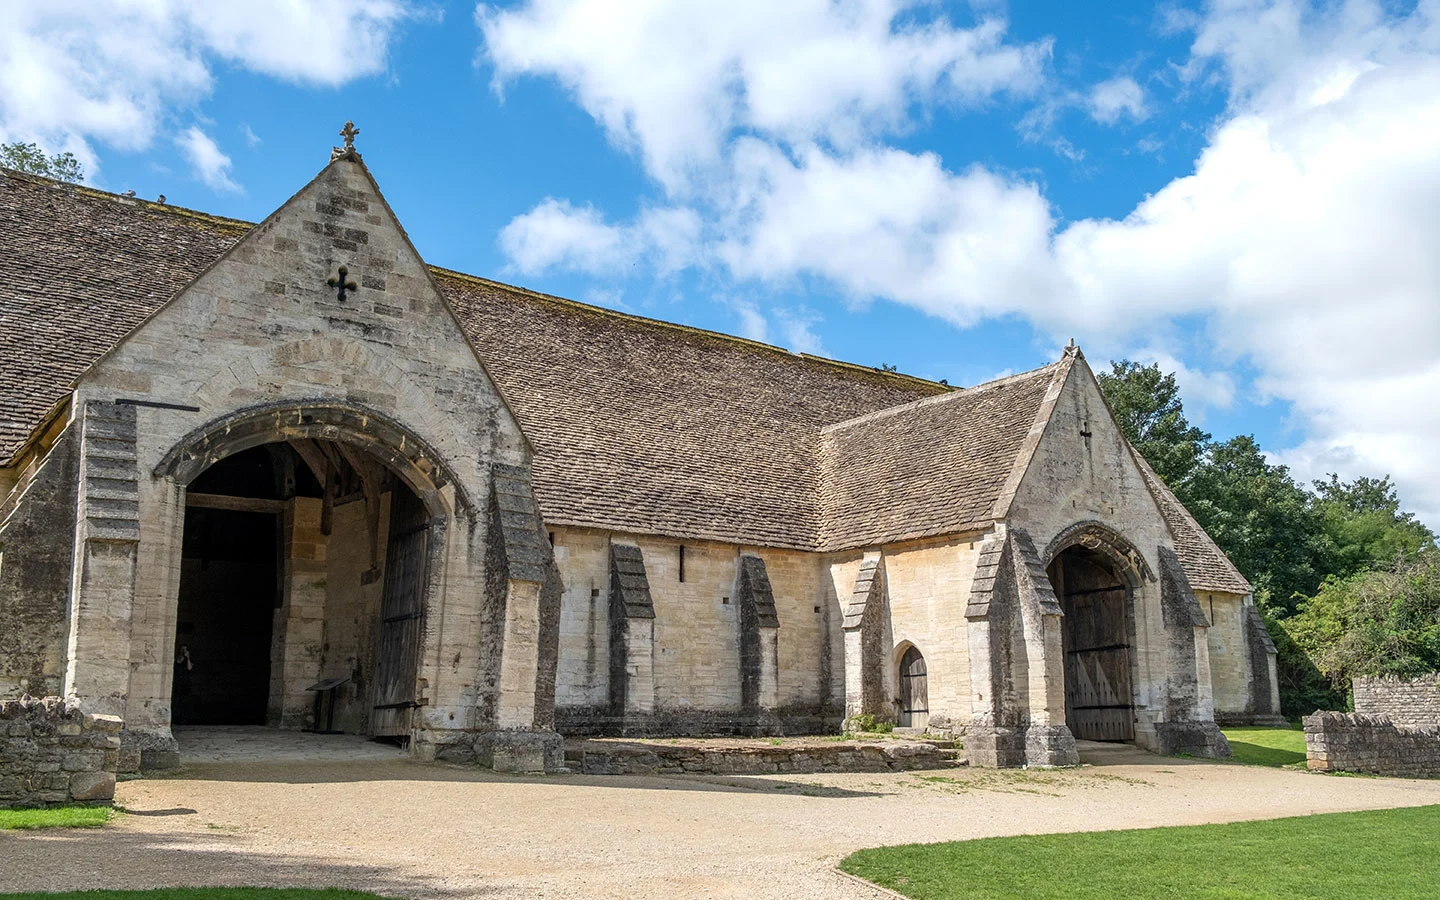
x: 1095, y: 574
x: 308, y: 548
x: 1098, y: 647
x: 914, y: 686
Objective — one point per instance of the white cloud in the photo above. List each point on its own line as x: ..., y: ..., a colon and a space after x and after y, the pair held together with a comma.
x: 558, y: 234
x: 73, y: 72
x: 1303, y: 240
x: 204, y: 155
x: 1116, y: 99
x: 252, y: 140
x: 673, y: 81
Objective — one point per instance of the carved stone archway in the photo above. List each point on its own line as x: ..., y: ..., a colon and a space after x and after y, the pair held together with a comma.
x: 1100, y: 538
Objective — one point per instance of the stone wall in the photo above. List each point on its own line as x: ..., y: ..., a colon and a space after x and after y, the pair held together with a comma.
x: 1407, y: 701
x: 697, y: 676
x: 37, y: 525
x: 615, y: 758
x: 1355, y: 742
x: 52, y: 753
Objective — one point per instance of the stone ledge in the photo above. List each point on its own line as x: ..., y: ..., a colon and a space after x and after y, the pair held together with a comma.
x: 601, y: 757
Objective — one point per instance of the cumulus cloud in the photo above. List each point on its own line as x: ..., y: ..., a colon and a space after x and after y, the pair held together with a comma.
x: 673, y: 81
x: 73, y: 72
x: 210, y: 164
x: 559, y: 235
x: 1302, y: 241
x: 1116, y: 99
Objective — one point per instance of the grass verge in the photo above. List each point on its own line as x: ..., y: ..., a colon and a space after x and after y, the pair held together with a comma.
x: 1267, y: 746
x: 55, y: 817
x: 208, y: 893
x: 1340, y: 856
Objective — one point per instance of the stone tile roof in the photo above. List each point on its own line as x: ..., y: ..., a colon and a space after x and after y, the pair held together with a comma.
x: 649, y: 427
x: 79, y: 269
x: 637, y: 425
x: 1206, y: 566
x: 931, y: 467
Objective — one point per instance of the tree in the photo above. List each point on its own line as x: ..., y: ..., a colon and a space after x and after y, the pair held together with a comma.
x: 1376, y: 622
x: 1365, y: 526
x: 32, y: 159
x: 1146, y: 403
x: 1263, y: 520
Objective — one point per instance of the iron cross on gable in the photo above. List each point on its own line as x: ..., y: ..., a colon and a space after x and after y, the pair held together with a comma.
x: 341, y: 285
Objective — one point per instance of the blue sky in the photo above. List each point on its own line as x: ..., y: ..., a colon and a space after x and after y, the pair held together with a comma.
x: 1239, y: 189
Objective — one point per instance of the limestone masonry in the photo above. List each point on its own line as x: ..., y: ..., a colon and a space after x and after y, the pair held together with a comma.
x: 1407, y: 701
x: 287, y: 474
x: 1371, y: 744
x: 52, y: 753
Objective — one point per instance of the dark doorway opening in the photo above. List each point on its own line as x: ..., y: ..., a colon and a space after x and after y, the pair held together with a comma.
x: 1099, y: 696
x: 303, y: 576
x: 229, y: 589
x: 914, y: 690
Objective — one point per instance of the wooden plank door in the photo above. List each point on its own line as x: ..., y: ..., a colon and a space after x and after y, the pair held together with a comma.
x: 402, y: 607
x: 914, y: 690
x: 1099, y: 700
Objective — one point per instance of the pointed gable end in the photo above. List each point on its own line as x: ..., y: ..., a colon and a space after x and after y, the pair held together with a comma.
x: 326, y: 299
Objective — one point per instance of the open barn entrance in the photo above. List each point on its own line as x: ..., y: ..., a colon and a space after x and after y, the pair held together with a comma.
x: 302, y: 587
x: 1099, y: 697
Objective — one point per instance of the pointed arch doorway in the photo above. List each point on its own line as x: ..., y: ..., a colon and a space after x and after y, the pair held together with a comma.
x: 914, y: 690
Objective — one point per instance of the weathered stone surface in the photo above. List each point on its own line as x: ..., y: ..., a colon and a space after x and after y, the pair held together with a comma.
x: 50, y: 752
x: 619, y: 758
x: 92, y: 786
x: 1406, y: 701
x: 1371, y: 744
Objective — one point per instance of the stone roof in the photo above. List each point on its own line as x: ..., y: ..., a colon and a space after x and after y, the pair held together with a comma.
x: 637, y: 425
x: 931, y: 467
x: 1206, y: 566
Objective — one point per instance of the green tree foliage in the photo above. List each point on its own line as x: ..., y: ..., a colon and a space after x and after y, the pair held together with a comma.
x: 1264, y: 521
x: 1292, y: 543
x: 1375, y: 622
x: 32, y: 159
x: 1146, y: 403
x: 1365, y: 526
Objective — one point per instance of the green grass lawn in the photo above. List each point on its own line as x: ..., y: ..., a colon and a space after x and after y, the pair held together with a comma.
x: 1342, y: 856
x: 55, y: 817
x: 1267, y: 746
x: 205, y: 893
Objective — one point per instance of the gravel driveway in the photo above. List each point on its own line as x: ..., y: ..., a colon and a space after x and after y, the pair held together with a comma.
x: 412, y: 830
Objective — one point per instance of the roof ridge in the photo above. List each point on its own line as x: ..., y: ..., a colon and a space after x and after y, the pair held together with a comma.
x: 186, y: 212
x: 151, y: 205
x: 941, y: 398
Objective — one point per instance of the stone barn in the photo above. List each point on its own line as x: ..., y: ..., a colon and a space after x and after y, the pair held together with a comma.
x: 239, y: 461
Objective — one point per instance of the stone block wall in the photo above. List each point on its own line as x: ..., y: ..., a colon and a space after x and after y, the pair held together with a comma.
x: 1355, y: 742
x: 1407, y: 701
x: 52, y: 753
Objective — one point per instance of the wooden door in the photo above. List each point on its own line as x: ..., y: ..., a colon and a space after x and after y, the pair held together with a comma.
x: 1099, y: 698
x: 914, y: 690
x: 402, y: 608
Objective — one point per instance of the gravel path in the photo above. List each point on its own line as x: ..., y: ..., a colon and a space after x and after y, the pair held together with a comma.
x: 410, y: 830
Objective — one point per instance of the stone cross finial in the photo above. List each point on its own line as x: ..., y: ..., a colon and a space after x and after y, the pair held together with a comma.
x: 348, y: 133
x: 341, y: 285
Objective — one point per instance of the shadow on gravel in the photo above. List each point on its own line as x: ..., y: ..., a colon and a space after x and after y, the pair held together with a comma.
x: 119, y: 860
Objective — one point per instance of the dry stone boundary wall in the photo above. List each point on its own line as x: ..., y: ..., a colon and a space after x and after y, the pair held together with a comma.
x: 1407, y: 701
x: 1372, y: 744
x: 52, y: 753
